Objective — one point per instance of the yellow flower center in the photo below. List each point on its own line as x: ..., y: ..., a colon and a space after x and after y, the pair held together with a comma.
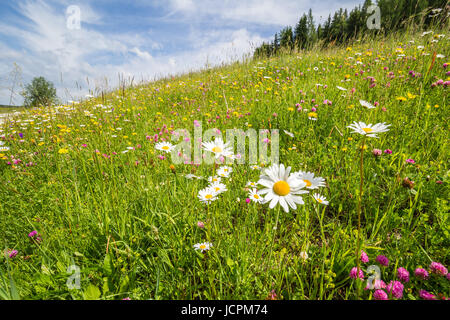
x: 217, y: 189
x: 367, y: 130
x: 165, y: 148
x: 281, y: 188
x: 308, y: 183
x: 320, y: 200
x: 216, y: 149
x: 208, y: 196
x: 202, y: 246
x: 256, y: 196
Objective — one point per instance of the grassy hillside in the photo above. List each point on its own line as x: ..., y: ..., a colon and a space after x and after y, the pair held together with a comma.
x: 89, y: 180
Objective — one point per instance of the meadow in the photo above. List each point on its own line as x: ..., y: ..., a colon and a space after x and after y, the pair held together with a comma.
x: 86, y: 189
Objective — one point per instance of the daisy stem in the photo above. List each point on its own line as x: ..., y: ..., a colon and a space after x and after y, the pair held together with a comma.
x: 274, y: 233
x: 361, y: 182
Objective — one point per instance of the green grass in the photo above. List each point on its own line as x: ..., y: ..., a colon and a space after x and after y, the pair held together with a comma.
x: 131, y: 226
x: 10, y: 109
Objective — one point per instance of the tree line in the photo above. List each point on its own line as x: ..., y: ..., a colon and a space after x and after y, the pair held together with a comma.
x: 342, y: 26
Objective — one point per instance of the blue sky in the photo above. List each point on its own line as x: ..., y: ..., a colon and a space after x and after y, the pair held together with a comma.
x: 144, y: 39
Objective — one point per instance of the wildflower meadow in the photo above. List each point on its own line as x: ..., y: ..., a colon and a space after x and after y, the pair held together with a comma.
x: 93, y: 204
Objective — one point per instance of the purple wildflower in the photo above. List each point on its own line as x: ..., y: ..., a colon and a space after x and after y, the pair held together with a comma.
x: 353, y: 273
x: 438, y: 269
x: 364, y: 257
x: 396, y: 289
x: 384, y: 261
x: 32, y: 234
x: 380, y: 295
x: 421, y: 273
x: 402, y: 274
x: 426, y: 295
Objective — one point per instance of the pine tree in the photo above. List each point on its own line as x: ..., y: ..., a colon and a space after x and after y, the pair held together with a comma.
x: 287, y: 38
x: 312, y: 35
x: 301, y: 33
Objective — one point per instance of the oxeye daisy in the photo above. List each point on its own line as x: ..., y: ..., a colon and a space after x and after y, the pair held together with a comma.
x: 214, y: 179
x: 368, y: 129
x: 224, y: 171
x: 311, y: 181
x: 4, y: 148
x: 366, y: 104
x: 207, y: 195
x: 192, y: 176
x: 281, y: 187
x: 251, y: 184
x: 255, y: 167
x: 164, y: 146
x: 205, y: 246
x: 255, y: 196
x: 218, y: 187
x: 218, y: 147
x: 320, y: 199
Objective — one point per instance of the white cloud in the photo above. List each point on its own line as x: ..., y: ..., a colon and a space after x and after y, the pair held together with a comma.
x: 72, y: 58
x: 271, y: 12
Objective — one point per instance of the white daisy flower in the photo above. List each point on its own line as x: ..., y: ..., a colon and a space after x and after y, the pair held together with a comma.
x: 368, y: 129
x: 309, y: 179
x: 4, y: 148
x: 366, y: 104
x: 207, y: 195
x: 440, y: 56
x: 205, y: 246
x: 164, y: 146
x: 290, y: 134
x: 320, y: 199
x: 255, y: 196
x: 426, y: 32
x: 214, y: 179
x: 218, y: 147
x: 218, y: 187
x: 281, y: 187
x: 224, y: 171
x: 341, y: 88
x: 192, y: 176
x: 251, y: 184
x: 255, y: 167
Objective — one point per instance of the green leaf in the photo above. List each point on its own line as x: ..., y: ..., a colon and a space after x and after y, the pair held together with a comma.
x: 92, y: 293
x: 107, y: 265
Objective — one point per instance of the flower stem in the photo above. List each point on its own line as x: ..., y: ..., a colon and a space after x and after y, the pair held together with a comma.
x: 274, y: 233
x: 361, y: 182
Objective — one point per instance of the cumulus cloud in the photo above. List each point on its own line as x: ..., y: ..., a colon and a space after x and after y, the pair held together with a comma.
x: 185, y: 36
